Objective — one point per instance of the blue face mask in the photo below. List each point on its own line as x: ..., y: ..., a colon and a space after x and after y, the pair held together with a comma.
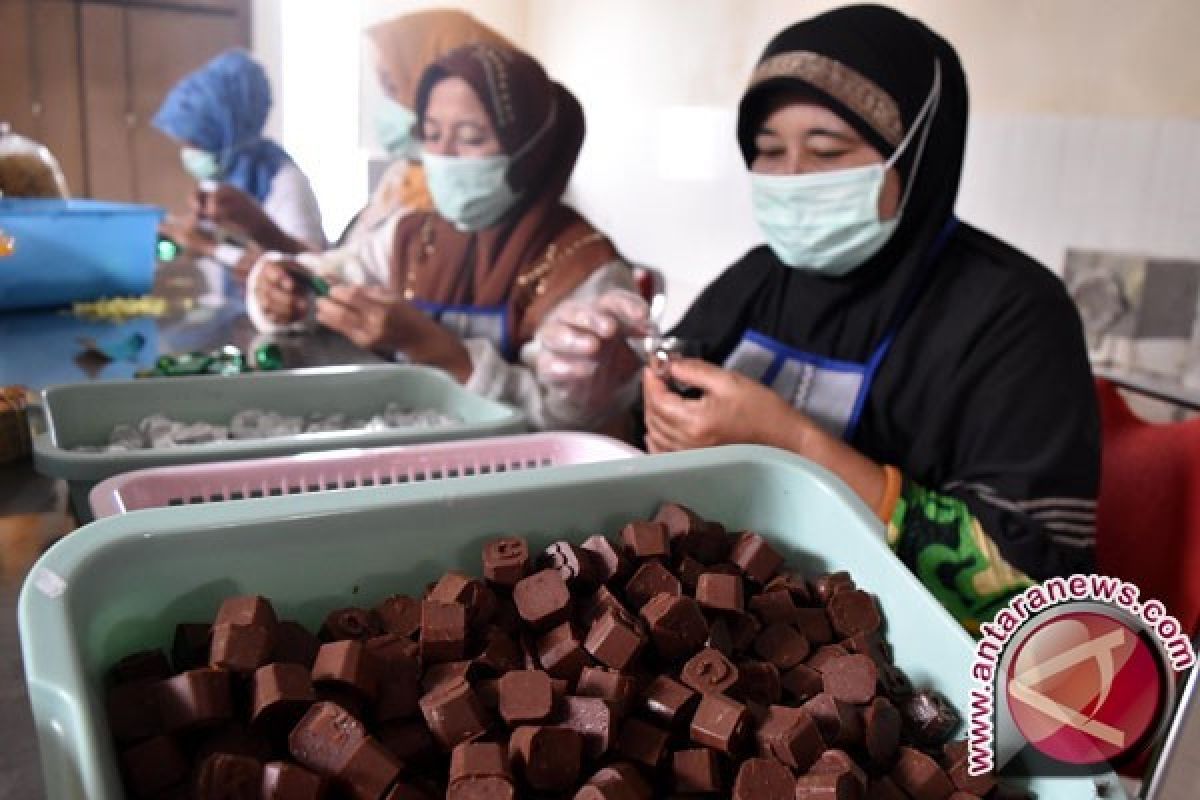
x: 394, y: 126
x: 828, y: 222
x: 201, y: 165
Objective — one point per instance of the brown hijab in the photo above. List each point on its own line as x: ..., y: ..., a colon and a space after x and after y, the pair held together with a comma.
x: 541, y: 250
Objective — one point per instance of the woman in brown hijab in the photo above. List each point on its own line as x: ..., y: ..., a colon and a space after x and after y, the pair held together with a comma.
x: 498, y: 255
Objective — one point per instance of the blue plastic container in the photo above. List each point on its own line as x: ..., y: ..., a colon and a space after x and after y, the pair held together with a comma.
x: 69, y: 250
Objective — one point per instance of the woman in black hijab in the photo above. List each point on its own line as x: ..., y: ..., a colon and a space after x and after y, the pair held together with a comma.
x: 939, y: 372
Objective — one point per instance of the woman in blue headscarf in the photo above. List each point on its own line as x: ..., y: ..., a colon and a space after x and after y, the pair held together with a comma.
x: 217, y: 115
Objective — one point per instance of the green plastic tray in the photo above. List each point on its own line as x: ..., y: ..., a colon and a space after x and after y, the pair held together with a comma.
x: 85, y: 414
x: 122, y: 583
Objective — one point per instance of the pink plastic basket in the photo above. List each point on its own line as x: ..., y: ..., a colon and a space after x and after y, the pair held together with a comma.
x: 196, y: 484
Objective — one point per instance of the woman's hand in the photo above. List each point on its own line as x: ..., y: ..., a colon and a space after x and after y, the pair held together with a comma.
x: 733, y: 410
x: 230, y: 207
x: 183, y: 232
x: 378, y: 320
x: 281, y: 297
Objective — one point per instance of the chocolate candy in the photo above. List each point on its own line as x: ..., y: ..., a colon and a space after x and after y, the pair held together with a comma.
x: 763, y: 779
x: 228, y: 777
x: 446, y: 672
x: 826, y: 654
x: 190, y: 647
x: 505, y: 560
x: 147, y: 665
x: 548, y: 758
x: 454, y: 714
x: 651, y: 579
x: 561, y: 653
x: 349, y: 623
x: 838, y: 721
x: 294, y: 644
x: 758, y: 682
x: 957, y: 766
x: 480, y: 770
x: 851, y: 678
x: 616, y: 782
x: 400, y: 614
x: 347, y: 664
x: 719, y: 723
x: 669, y: 702
x: 814, y: 624
x: 393, y: 652
x: 827, y: 786
x: 789, y: 735
x: 153, y: 766
x: 802, y: 683
x: 240, y: 648
x: 543, y: 599
x: 755, y: 557
x: 368, y: 771
x: 525, y: 696
x: 576, y: 565
x: 782, y: 645
x: 643, y: 540
x: 196, y: 698
x: 696, y: 770
x: 608, y: 562
x: 719, y: 592
x: 133, y: 711
x: 709, y: 671
x: 443, y: 631
x: 592, y: 719
x: 677, y: 626
x: 642, y: 742
x: 928, y: 718
x: 881, y: 731
x: 284, y: 781
x: 836, y: 762
x: 616, y: 688
x: 853, y: 612
x: 920, y: 776
x: 325, y: 738
x: 774, y: 606
x: 408, y: 741
x: 826, y: 586
x: 500, y: 653
x: 282, y: 694
x: 614, y: 640
x: 246, y: 610
x: 457, y: 587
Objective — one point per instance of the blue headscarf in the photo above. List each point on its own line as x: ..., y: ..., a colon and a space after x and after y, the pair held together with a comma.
x: 221, y: 108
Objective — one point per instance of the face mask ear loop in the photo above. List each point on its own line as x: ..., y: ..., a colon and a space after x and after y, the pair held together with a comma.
x: 926, y: 115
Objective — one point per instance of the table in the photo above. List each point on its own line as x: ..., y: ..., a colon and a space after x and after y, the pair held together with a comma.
x: 38, y: 349
x: 1155, y: 386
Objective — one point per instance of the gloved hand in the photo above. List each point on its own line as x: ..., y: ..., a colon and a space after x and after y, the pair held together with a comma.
x: 584, y: 349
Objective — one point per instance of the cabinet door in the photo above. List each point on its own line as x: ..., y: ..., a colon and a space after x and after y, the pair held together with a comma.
x: 16, y: 87
x: 59, y: 96
x: 105, y: 108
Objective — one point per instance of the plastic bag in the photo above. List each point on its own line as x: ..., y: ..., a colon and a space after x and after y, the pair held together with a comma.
x: 28, y: 169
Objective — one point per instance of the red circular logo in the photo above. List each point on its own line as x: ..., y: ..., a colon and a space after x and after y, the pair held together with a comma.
x: 1085, y: 688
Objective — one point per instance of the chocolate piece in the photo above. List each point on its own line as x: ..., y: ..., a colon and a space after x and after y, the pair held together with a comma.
x: 758, y: 682
x: 349, y: 664
x: 525, y: 696
x: 836, y: 762
x: 678, y: 519
x: 369, y: 770
x: 668, y: 701
x: 884, y: 788
x: 543, y: 599
x: 608, y: 562
x: 920, y: 776
x: 612, y: 686
x: 959, y: 795
x: 443, y: 631
x: 929, y: 719
x: 490, y: 787
x: 294, y: 644
x: 505, y: 560
x: 824, y: 654
x: 189, y: 648
x: 576, y: 565
x: 720, y: 592
x: 614, y: 641
x: 478, y: 760
x: 643, y: 540
x: 838, y: 721
x: 828, y: 786
x: 246, y: 610
x: 133, y: 711
x: 793, y: 584
x: 454, y: 714
x: 743, y: 630
x: 349, y: 623
x: 351, y: 700
x: 599, y: 601
x: 719, y: 723
x: 709, y: 671
x: 695, y: 771
x: 619, y: 781
x: 547, y: 757
x: 284, y: 781
x: 755, y: 557
x: 591, y: 718
x: 408, y: 741
x: 325, y: 738
x: 500, y: 653
x: 195, y: 698
x: 763, y: 779
x: 561, y: 653
x: 814, y: 624
x: 282, y: 694
x: 881, y: 731
x: 428, y: 791
x: 720, y: 638
x: 651, y: 579
x: 227, y: 777
x: 488, y: 690
x: 852, y: 612
x: 240, y: 648
x: 642, y: 742
x: 782, y: 645
x: 232, y: 738
x: 891, y: 679
x: 153, y: 766
x: 440, y: 674
x: 851, y: 678
x: 457, y: 587
x: 689, y: 570
x: 957, y: 765
x: 826, y: 586
x: 789, y: 735
x: 394, y: 653
x: 774, y: 606
x: 802, y: 683
x: 677, y: 626
x: 400, y: 614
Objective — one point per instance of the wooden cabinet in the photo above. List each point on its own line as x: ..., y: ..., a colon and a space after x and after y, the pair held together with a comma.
x: 85, y: 78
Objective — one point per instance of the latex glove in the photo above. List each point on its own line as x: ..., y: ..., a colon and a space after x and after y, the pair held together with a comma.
x: 231, y: 208
x: 584, y: 349
x: 282, y: 298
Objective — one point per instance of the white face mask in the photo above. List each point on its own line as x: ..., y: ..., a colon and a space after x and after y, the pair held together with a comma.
x: 828, y: 222
x: 395, y: 126
x: 200, y: 164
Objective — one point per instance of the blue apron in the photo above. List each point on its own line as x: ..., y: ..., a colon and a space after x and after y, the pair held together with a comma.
x: 831, y: 391
x: 473, y: 322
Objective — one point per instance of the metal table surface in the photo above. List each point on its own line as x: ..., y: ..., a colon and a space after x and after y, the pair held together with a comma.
x: 39, y: 349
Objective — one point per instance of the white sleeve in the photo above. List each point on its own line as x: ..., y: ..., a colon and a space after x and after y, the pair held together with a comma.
x: 292, y: 206
x: 547, y: 408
